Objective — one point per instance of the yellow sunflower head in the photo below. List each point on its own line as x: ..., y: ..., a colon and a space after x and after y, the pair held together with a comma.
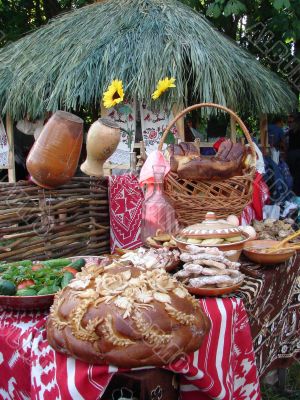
x: 162, y: 86
x: 114, y: 94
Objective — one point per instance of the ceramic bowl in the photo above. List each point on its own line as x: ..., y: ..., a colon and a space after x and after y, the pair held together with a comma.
x: 214, y: 291
x: 254, y: 250
x: 26, y: 303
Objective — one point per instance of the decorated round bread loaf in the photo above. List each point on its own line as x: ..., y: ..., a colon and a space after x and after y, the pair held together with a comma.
x: 126, y: 316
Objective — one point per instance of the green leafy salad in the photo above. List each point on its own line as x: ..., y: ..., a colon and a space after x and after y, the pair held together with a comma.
x: 26, y: 278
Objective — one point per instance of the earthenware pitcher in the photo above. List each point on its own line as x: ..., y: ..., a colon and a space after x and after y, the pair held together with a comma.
x: 54, y: 157
x: 102, y: 140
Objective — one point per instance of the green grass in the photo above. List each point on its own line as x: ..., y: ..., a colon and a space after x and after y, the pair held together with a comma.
x: 292, y: 388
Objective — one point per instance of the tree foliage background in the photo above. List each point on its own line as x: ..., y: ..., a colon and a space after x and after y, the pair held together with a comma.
x: 239, y: 19
x: 270, y: 29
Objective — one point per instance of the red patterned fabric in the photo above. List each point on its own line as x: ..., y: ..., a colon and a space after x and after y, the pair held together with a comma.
x: 218, y: 143
x: 223, y: 368
x: 248, y: 215
x: 17, y: 331
x: 125, y: 197
x: 261, y: 196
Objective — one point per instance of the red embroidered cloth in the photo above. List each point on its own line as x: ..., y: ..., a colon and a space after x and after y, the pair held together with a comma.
x: 261, y: 196
x: 223, y: 368
x: 125, y: 198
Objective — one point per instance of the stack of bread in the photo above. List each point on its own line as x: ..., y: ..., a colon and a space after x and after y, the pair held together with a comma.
x: 208, y: 267
x: 186, y: 161
x: 161, y: 240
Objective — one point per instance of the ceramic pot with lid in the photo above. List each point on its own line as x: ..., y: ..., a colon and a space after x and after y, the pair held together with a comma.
x: 212, y: 232
x: 211, y: 228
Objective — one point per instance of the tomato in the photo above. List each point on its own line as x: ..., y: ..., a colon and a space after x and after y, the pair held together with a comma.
x: 25, y: 284
x: 37, y: 267
x: 70, y: 269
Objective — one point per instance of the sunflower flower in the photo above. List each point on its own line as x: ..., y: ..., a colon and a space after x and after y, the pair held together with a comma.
x: 114, y: 94
x: 162, y: 86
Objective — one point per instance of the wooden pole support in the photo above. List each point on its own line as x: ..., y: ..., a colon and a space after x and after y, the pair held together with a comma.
x: 263, y: 128
x: 11, y: 142
x: 177, y: 108
x: 233, y: 129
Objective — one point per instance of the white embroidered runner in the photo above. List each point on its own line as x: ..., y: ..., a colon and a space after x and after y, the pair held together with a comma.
x: 153, y: 125
x: 4, y: 147
x: 125, y: 116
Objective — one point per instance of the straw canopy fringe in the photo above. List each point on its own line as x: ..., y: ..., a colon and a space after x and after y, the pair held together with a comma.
x: 71, y: 61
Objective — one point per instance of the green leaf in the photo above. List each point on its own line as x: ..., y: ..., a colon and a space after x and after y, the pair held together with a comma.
x: 170, y: 138
x: 213, y: 10
x: 234, y: 7
x: 280, y: 4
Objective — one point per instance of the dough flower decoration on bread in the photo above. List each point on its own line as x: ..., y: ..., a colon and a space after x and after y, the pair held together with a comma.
x: 114, y: 94
x: 122, y: 314
x: 162, y: 86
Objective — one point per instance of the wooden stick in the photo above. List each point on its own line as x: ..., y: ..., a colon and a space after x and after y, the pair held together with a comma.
x: 278, y: 250
x: 11, y: 142
x: 32, y: 249
x: 233, y: 129
x: 263, y: 128
x: 287, y: 239
x: 44, y: 223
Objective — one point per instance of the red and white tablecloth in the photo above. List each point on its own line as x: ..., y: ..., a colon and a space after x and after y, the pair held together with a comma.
x: 223, y: 368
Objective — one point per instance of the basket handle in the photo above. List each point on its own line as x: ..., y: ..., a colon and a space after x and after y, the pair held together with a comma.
x: 213, y: 105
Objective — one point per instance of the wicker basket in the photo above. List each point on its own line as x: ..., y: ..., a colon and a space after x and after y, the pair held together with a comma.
x: 37, y: 223
x: 193, y: 199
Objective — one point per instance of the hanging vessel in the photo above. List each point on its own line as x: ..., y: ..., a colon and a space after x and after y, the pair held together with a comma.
x: 158, y: 215
x: 102, y: 140
x: 54, y: 157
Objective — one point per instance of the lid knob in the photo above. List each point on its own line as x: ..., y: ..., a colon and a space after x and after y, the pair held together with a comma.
x: 210, y: 216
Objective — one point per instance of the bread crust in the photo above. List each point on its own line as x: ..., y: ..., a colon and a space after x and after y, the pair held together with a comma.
x: 186, y: 161
x: 126, y: 317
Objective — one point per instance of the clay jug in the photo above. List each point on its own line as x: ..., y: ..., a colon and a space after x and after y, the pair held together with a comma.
x: 102, y: 140
x: 54, y: 157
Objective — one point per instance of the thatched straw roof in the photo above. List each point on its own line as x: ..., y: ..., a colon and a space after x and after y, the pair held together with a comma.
x: 69, y: 62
